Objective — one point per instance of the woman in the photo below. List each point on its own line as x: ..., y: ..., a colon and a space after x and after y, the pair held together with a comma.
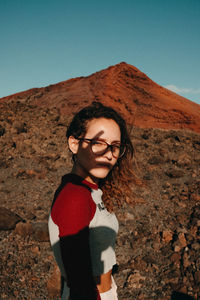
x: 82, y: 226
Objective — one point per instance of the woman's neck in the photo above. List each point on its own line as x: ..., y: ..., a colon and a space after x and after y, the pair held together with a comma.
x: 82, y: 173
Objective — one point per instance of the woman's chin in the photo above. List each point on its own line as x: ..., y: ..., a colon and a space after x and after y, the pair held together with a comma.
x: 100, y: 173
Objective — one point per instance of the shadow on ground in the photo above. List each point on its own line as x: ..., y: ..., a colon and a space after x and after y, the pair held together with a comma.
x: 181, y: 296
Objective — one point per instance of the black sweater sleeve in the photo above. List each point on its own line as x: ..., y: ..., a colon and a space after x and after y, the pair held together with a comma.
x: 75, y: 252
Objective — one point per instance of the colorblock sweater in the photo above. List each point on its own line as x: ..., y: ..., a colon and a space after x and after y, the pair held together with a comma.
x: 82, y: 234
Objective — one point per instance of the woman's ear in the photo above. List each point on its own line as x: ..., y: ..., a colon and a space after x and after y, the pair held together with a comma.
x: 73, y: 144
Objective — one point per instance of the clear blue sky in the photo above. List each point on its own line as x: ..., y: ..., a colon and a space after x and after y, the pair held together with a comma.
x: 43, y: 42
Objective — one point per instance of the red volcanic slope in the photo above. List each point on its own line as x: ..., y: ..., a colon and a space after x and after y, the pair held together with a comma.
x: 140, y: 100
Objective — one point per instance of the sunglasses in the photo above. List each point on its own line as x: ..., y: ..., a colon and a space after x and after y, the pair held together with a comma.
x: 101, y: 147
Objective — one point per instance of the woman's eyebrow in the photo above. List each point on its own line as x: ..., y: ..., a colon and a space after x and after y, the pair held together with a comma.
x: 116, y: 142
x: 104, y: 140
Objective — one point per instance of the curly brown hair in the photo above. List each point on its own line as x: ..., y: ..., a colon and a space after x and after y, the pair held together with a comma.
x: 117, y: 185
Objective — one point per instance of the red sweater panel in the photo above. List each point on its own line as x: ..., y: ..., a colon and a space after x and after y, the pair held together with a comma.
x: 73, y: 209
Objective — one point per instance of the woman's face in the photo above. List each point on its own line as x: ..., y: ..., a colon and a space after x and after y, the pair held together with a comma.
x: 89, y: 165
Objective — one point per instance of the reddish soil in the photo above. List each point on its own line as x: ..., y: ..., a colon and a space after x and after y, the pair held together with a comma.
x: 158, y: 245
x: 139, y: 99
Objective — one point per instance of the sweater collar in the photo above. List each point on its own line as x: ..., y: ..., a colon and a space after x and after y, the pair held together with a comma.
x: 93, y: 186
x: 77, y: 178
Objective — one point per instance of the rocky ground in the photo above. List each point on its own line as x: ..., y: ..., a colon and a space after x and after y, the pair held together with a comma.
x: 158, y: 246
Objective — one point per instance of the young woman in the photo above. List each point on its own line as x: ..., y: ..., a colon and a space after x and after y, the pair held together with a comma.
x: 82, y: 225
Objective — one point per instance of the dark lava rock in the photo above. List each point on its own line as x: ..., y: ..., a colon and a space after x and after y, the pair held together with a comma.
x: 37, y: 231
x: 8, y: 219
x: 2, y: 130
x: 159, y: 234
x: 40, y: 232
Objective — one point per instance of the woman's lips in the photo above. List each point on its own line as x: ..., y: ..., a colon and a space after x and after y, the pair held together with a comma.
x: 104, y: 165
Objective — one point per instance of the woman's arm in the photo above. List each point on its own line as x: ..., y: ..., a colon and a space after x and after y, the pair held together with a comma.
x: 72, y: 212
x: 75, y: 253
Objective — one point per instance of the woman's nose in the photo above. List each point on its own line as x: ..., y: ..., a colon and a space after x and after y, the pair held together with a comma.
x: 108, y: 154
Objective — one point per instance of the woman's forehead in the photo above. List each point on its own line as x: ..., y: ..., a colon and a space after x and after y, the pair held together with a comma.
x: 103, y: 128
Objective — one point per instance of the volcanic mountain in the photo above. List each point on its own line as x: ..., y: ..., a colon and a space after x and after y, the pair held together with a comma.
x: 159, y: 226
x: 140, y: 100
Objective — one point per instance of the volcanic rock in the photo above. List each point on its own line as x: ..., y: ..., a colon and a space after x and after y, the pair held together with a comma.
x: 8, y: 219
x: 54, y: 282
x: 159, y: 235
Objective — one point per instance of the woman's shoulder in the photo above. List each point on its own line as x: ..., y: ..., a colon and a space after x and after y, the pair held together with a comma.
x: 72, y: 188
x: 73, y: 208
x: 75, y: 191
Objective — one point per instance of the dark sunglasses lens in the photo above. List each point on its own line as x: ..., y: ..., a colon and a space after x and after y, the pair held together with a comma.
x: 101, y: 147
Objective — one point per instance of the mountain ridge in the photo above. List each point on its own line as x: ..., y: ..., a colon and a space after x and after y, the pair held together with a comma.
x: 141, y: 101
